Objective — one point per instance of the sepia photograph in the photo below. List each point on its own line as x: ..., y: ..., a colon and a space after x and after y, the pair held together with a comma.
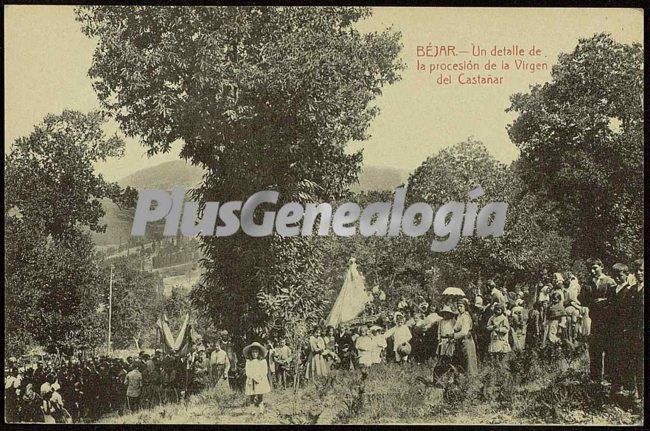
x: 323, y: 215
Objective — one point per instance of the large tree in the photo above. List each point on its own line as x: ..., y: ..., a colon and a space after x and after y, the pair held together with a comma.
x: 581, y: 142
x: 262, y: 98
x: 52, y: 201
x: 530, y: 241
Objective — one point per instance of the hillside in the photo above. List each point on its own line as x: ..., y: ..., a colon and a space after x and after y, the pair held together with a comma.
x: 377, y: 178
x: 164, y: 176
x: 406, y: 394
x: 178, y: 172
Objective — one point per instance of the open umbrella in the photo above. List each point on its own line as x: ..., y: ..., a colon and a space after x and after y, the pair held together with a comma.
x: 453, y: 291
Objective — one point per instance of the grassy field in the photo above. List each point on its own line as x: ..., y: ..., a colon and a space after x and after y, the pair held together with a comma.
x: 525, y: 390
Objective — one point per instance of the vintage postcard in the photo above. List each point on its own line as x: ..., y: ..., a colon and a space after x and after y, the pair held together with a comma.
x: 324, y: 215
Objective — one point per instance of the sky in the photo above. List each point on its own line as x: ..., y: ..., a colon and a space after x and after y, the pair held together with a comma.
x: 47, y: 59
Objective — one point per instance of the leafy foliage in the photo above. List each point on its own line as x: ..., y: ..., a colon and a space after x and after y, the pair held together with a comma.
x: 262, y: 98
x: 530, y: 242
x: 581, y: 142
x: 137, y: 303
x: 49, y: 176
x: 52, y: 199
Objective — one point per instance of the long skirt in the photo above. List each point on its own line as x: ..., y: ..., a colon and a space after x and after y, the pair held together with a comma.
x: 221, y: 383
x: 316, y: 366
x: 468, y: 356
x: 518, y: 339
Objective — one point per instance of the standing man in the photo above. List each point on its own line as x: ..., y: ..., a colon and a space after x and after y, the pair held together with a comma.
x: 346, y: 347
x: 133, y: 381
x: 637, y: 328
x: 401, y: 338
x: 220, y: 366
x: 621, y: 311
x: 597, y: 295
x: 282, y: 358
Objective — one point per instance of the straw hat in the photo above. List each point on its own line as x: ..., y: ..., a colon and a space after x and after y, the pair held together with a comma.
x: 396, y: 315
x: 254, y: 345
x: 447, y: 309
x: 375, y: 328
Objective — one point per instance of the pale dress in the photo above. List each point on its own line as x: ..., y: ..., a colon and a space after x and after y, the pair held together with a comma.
x: 317, y: 364
x: 518, y: 328
x: 257, y: 381
x: 380, y: 344
x: 463, y: 332
x: 499, y: 329
x: 446, y: 346
x: 365, y: 346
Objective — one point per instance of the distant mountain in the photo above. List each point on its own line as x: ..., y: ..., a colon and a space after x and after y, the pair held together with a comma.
x: 165, y: 176
x: 377, y: 178
x: 180, y: 173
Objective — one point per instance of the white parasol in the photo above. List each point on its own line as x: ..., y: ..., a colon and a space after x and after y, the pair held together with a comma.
x: 453, y: 291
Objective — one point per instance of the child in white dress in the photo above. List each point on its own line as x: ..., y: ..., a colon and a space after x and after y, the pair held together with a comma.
x: 257, y: 381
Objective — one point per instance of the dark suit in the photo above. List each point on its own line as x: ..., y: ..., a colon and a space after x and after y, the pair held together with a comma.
x: 598, y: 295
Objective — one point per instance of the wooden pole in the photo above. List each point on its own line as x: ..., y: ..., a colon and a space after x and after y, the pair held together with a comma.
x: 110, y: 308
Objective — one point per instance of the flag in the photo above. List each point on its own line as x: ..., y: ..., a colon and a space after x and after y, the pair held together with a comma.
x: 171, y: 344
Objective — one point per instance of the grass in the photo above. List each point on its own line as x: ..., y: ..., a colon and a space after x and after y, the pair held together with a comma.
x: 526, y: 389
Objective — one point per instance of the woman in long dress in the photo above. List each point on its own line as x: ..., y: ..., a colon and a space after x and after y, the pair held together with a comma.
x: 463, y: 332
x: 316, y: 363
x: 518, y: 325
x: 257, y: 382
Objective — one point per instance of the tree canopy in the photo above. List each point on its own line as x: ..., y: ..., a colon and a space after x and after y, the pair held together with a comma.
x: 52, y: 201
x: 581, y: 142
x: 262, y: 98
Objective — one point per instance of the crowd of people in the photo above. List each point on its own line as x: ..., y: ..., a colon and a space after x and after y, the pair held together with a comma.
x: 59, y: 389
x: 464, y: 330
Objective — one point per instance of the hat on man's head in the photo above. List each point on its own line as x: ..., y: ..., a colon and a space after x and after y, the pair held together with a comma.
x: 396, y: 315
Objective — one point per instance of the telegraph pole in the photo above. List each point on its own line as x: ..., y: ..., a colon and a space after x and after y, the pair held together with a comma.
x: 110, y: 307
